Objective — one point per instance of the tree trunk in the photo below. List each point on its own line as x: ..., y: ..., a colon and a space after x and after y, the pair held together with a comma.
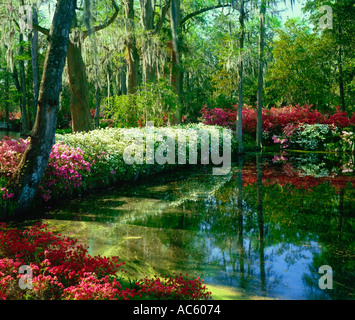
x: 239, y: 130
x: 123, y: 85
x: 29, y: 173
x: 132, y: 57
x: 34, y: 58
x: 341, y: 74
x: 25, y: 130
x: 97, y: 107
x: 7, y: 102
x: 147, y: 20
x: 80, y: 109
x: 259, y: 123
x: 79, y: 91
x: 176, y: 73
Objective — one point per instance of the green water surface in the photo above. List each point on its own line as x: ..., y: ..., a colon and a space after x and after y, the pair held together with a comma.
x: 261, y: 232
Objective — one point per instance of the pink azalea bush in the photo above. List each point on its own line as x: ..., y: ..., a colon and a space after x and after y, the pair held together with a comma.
x: 65, y: 171
x: 85, y: 161
x: 11, y: 152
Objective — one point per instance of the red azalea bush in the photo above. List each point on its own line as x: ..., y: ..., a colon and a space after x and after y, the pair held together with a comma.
x: 104, y: 122
x: 275, y: 119
x: 175, y: 288
x: 62, y: 269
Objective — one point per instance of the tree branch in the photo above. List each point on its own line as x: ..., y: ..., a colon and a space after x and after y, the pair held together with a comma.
x: 196, y: 13
x: 164, y: 11
x: 40, y: 29
x: 104, y: 25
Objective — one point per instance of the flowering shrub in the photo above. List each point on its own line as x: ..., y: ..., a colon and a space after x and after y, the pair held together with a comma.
x: 278, y: 123
x: 62, y: 269
x: 14, y: 119
x: 175, y: 288
x: 274, y: 119
x: 83, y: 161
x: 104, y: 150
x: 11, y: 152
x: 92, y: 288
x: 282, y: 141
x: 65, y: 171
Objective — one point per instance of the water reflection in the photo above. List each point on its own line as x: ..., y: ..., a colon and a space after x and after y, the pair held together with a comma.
x: 264, y: 230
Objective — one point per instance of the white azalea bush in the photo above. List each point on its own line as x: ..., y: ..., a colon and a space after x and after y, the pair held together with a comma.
x: 104, y: 150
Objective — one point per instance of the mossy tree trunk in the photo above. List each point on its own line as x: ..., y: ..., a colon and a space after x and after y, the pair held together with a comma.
x: 176, y: 68
x: 29, y: 173
x: 147, y: 19
x: 34, y: 59
x: 79, y: 88
x: 131, y: 54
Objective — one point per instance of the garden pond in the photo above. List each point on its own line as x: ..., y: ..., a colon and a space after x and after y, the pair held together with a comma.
x: 261, y: 232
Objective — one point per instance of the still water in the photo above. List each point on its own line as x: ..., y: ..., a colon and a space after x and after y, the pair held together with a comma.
x: 263, y: 231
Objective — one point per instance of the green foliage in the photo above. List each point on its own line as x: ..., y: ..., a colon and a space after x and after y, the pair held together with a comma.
x: 314, y: 136
x: 302, y: 71
x: 152, y: 102
x: 342, y: 37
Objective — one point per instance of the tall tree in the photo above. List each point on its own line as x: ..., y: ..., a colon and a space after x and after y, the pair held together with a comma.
x: 25, y: 120
x: 259, y: 123
x: 150, y: 30
x: 79, y: 98
x: 239, y: 124
x: 29, y: 173
x: 341, y: 30
x: 303, y: 68
x: 147, y: 20
x: 131, y: 54
x: 78, y: 83
x: 34, y: 59
x: 176, y: 72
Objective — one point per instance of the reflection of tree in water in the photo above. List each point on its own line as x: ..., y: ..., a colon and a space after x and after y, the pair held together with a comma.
x: 242, y: 233
x: 339, y: 255
x: 236, y: 227
x: 238, y: 231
